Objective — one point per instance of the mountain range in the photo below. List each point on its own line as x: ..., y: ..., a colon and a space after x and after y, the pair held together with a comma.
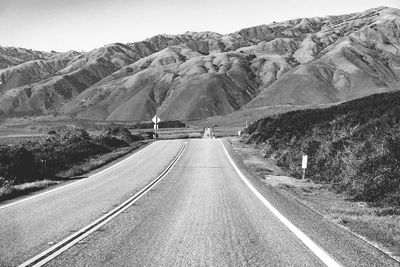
x: 195, y: 75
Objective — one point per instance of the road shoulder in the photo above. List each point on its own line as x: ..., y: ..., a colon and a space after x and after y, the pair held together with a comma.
x: 377, y: 226
x: 89, y: 167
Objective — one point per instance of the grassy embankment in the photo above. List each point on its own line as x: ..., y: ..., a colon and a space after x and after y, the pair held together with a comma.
x: 354, y: 147
x: 377, y: 224
x: 67, y: 152
x: 354, y: 162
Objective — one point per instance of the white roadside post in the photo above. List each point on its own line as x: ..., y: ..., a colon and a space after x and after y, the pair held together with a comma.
x: 155, y: 120
x: 304, y: 165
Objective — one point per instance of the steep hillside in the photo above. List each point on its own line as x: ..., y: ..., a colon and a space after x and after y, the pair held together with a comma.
x: 298, y: 62
x: 40, y: 87
x: 351, y: 59
x: 11, y: 56
x: 63, y: 79
x: 33, y: 71
x: 179, y: 82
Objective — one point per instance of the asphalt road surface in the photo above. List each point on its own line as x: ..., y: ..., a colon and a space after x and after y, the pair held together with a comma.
x: 202, y: 213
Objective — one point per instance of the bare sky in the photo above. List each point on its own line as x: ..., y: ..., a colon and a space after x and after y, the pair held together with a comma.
x: 63, y: 25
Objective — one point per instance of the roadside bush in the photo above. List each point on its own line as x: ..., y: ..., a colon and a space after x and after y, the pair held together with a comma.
x: 5, y: 183
x: 78, y: 151
x: 17, y: 164
x: 354, y: 147
x: 122, y: 134
x: 162, y: 124
x: 149, y: 134
x: 110, y: 141
x: 172, y: 124
x: 377, y: 178
x: 61, y: 149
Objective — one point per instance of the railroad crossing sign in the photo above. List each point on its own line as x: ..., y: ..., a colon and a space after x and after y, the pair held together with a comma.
x: 156, y: 119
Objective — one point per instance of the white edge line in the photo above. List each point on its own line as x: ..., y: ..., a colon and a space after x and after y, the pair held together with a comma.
x: 319, y: 252
x: 141, y: 193
x: 376, y: 245
x: 81, y: 180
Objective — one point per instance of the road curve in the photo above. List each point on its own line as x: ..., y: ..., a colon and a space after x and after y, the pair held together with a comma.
x: 203, y: 214
x: 33, y: 225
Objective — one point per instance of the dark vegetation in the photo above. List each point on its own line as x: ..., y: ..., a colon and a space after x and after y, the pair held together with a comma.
x: 88, y: 124
x: 60, y: 150
x: 354, y: 147
x: 161, y: 124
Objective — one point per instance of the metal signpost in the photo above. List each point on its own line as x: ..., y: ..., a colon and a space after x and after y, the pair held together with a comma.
x: 44, y: 163
x: 304, y: 166
x: 155, y: 120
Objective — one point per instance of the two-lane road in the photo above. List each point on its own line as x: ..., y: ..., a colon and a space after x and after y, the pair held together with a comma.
x: 28, y: 227
x: 201, y: 214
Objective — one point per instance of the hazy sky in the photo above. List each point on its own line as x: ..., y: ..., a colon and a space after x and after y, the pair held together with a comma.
x: 63, y: 25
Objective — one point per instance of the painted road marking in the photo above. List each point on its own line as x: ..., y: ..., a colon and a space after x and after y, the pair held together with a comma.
x: 319, y: 252
x: 62, y: 187
x: 71, y: 240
